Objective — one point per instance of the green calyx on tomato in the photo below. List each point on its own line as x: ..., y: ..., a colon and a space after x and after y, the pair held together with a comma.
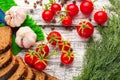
x: 42, y: 49
x: 85, y: 29
x: 83, y: 26
x: 54, y: 37
x: 47, y: 6
x: 66, y: 21
x: 40, y: 63
x: 64, y: 45
x: 67, y: 57
x: 29, y: 57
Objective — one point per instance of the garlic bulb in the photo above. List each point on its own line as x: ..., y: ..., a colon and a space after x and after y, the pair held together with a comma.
x: 25, y: 37
x: 15, y: 16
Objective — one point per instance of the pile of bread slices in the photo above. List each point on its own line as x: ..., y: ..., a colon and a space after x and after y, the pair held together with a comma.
x: 12, y: 67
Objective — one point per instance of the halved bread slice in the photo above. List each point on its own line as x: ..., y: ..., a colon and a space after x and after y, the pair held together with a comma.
x: 5, y: 38
x: 39, y: 75
x: 30, y: 75
x: 21, y: 71
x: 5, y: 59
x: 6, y: 72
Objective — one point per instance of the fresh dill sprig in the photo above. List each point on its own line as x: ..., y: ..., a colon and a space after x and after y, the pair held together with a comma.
x: 102, y: 58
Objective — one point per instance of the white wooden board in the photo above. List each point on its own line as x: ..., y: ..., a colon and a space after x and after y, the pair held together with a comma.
x: 78, y: 45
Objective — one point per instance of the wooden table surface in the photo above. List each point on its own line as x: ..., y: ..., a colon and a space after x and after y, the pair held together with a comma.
x: 78, y: 45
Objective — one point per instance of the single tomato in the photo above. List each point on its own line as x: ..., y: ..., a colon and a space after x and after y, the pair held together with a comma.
x: 86, y: 7
x: 54, y: 38
x: 67, y: 21
x: 47, y: 15
x: 72, y: 10
x: 85, y: 29
x: 100, y: 17
x: 67, y: 58
x: 55, y: 7
x: 40, y: 64
x: 43, y: 49
x: 29, y: 58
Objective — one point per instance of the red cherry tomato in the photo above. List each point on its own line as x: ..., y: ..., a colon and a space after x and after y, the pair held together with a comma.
x: 55, y: 8
x: 72, y: 10
x: 64, y: 45
x: 43, y: 49
x: 85, y: 29
x: 86, y: 7
x: 100, y: 17
x: 67, y: 58
x: 47, y: 15
x: 29, y: 58
x: 54, y: 38
x: 40, y: 64
x: 67, y: 21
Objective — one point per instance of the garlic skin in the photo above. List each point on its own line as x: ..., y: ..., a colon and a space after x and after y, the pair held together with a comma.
x: 15, y: 16
x: 25, y: 37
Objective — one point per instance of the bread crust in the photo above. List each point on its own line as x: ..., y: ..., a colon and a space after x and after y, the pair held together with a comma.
x: 6, y: 72
x: 5, y: 59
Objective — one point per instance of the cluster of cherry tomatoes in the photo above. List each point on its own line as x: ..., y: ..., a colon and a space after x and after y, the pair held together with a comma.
x: 54, y: 8
x: 39, y: 58
x: 86, y: 7
x: 56, y: 40
x: 85, y: 29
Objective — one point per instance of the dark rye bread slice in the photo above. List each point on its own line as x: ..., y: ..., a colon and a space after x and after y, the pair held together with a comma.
x: 6, y: 72
x: 21, y: 71
x: 5, y: 59
x: 5, y: 39
x: 39, y: 75
x: 30, y: 75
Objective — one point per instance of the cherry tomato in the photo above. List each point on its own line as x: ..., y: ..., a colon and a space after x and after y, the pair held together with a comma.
x: 64, y: 45
x: 29, y: 58
x: 100, y: 17
x: 40, y: 64
x: 67, y: 58
x: 67, y: 21
x: 47, y: 15
x: 72, y: 10
x: 85, y: 29
x: 55, y: 8
x: 54, y: 37
x: 42, y: 49
x: 86, y: 7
